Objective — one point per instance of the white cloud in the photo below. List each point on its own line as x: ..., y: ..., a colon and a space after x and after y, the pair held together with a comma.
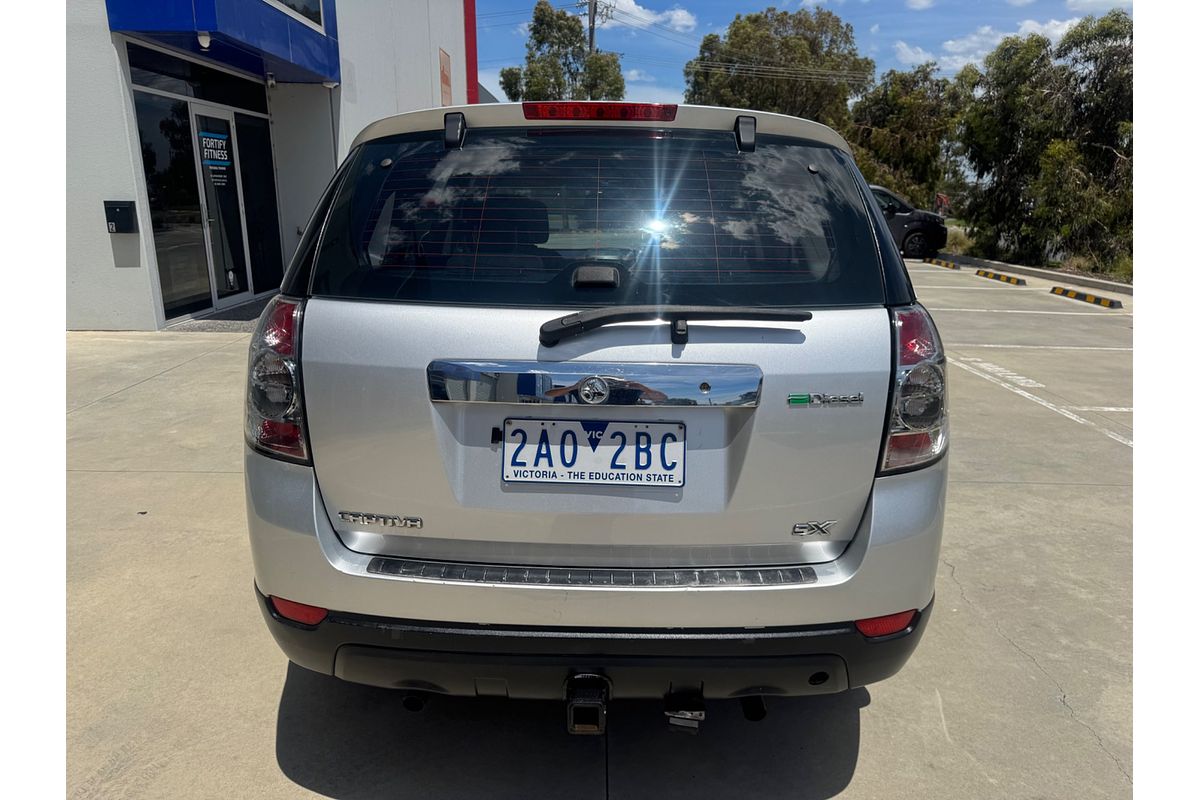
x: 1019, y: 3
x: 1052, y: 30
x: 628, y: 14
x: 874, y: 28
x: 648, y: 93
x: 911, y: 56
x: 1098, y: 5
x: 639, y: 75
x: 919, y: 5
x: 975, y: 46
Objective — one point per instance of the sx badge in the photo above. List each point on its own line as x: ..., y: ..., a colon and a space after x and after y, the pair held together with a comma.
x: 814, y: 528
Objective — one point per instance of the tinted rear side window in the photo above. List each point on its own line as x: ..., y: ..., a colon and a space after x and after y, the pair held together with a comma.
x: 681, y: 217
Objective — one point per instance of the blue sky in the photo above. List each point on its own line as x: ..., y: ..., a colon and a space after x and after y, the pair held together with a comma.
x: 657, y: 37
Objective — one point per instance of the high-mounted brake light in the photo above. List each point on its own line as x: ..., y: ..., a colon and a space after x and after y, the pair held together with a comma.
x: 917, y: 429
x: 631, y: 112
x: 274, y: 405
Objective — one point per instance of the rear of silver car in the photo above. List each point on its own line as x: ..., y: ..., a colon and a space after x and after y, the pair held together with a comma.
x: 626, y: 399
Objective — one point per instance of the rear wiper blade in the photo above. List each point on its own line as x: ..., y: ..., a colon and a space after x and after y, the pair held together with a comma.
x: 571, y: 325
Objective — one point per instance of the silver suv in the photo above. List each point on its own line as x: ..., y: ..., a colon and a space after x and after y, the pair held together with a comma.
x: 597, y: 400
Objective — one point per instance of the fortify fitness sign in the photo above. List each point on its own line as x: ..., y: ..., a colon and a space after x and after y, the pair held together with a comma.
x: 214, y: 155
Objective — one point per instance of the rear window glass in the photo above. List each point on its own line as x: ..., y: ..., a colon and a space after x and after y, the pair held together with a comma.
x: 680, y: 216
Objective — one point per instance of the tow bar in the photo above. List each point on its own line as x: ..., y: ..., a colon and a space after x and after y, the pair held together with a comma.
x: 587, y: 704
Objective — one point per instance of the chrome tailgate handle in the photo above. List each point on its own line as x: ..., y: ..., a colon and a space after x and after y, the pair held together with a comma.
x: 594, y: 383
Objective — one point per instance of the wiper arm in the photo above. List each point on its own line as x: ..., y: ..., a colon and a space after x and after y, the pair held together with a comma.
x: 571, y: 325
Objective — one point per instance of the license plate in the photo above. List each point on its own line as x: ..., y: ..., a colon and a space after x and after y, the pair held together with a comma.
x: 593, y: 451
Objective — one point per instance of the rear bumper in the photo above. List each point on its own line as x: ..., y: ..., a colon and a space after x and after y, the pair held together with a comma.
x: 535, y: 663
x: 890, y: 566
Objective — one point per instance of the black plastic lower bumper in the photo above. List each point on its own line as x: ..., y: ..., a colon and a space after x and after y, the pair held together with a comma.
x: 535, y: 663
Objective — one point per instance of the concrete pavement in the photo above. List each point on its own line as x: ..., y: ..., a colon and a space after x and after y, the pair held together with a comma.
x: 1021, y: 687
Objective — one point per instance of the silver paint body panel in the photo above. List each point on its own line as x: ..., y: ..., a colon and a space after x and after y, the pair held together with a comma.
x: 891, y: 564
x: 381, y: 446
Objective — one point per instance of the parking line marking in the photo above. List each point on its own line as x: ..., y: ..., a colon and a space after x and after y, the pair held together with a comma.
x: 1023, y: 311
x: 1116, y: 437
x: 1042, y: 347
x: 1118, y: 409
x: 983, y: 288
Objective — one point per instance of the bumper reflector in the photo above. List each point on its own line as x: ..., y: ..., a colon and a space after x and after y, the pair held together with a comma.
x: 298, y: 612
x: 885, y: 626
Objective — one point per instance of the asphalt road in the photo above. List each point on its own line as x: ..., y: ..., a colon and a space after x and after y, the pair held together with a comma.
x: 1020, y: 689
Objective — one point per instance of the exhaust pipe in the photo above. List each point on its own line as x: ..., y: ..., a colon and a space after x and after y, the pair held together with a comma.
x: 587, y: 704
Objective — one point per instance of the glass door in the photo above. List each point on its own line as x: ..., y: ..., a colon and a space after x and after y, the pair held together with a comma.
x: 176, y: 217
x: 221, y: 196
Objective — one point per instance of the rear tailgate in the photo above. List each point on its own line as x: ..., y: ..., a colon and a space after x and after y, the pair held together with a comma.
x: 381, y: 447
x: 424, y: 377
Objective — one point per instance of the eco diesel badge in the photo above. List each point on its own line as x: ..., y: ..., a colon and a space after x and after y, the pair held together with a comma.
x: 803, y: 400
x: 385, y: 520
x: 814, y: 528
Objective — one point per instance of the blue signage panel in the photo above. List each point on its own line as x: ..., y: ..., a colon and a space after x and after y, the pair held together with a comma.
x: 250, y: 35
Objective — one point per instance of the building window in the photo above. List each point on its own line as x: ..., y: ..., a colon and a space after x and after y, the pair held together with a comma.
x: 306, y: 9
x: 167, y: 73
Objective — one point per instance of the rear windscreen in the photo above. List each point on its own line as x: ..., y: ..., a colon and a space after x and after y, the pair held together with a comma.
x: 557, y: 217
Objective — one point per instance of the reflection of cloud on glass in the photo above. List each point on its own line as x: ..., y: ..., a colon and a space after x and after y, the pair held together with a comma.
x: 470, y: 162
x: 792, y: 202
x: 491, y: 160
x: 795, y: 199
x: 739, y: 228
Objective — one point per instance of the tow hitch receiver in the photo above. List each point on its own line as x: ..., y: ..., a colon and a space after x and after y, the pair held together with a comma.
x: 685, y: 711
x: 587, y: 704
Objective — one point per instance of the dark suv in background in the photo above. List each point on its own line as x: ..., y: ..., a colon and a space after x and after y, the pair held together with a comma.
x: 918, y: 233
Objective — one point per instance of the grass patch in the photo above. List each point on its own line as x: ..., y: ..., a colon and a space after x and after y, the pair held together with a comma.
x: 957, y: 241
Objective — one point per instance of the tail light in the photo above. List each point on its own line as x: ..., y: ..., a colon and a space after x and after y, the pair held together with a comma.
x: 274, y: 400
x: 632, y: 112
x: 917, y: 431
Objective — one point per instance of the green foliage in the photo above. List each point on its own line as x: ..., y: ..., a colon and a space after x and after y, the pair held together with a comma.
x: 1048, y: 133
x: 900, y: 129
x: 557, y: 63
x: 787, y: 44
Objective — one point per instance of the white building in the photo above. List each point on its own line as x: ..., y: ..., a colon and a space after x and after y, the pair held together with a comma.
x: 200, y: 133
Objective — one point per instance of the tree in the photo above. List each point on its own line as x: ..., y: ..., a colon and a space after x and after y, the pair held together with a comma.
x: 558, y: 65
x: 1020, y: 106
x: 1048, y: 132
x: 801, y: 63
x: 900, y: 130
